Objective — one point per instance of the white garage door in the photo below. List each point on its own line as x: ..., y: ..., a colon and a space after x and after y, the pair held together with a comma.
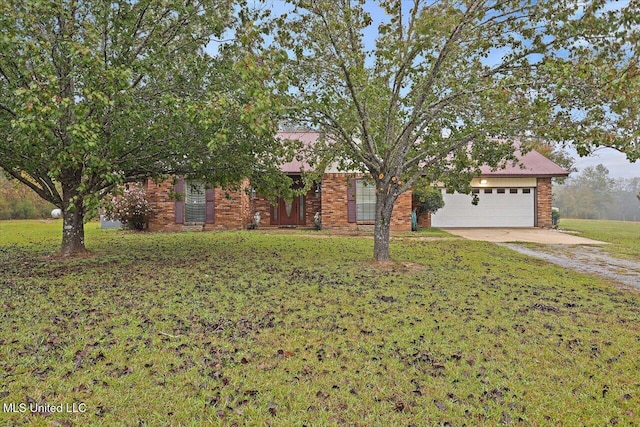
x: 497, y: 207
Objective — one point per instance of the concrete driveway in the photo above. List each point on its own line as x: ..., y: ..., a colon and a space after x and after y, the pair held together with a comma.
x: 533, y: 235
x: 579, y: 257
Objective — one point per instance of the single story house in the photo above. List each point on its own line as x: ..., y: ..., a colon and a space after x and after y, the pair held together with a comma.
x: 513, y: 197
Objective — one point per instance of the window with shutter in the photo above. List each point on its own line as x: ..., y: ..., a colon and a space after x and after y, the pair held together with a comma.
x: 365, y: 201
x: 194, y: 202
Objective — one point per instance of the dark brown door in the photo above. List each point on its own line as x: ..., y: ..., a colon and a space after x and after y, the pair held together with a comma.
x: 289, y: 212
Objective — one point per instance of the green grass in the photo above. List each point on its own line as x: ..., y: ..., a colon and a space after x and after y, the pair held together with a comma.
x: 623, y: 236
x: 247, y: 328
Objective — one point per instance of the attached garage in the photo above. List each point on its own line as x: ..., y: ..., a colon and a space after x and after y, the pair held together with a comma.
x: 519, y: 195
x: 497, y: 207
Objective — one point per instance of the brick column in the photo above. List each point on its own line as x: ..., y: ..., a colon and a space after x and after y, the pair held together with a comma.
x: 544, y: 201
x: 401, y: 217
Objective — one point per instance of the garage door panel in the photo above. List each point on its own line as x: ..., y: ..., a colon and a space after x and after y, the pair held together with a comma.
x: 493, y: 210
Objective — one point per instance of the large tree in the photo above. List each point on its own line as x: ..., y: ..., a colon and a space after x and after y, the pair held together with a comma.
x: 94, y: 93
x: 435, y: 89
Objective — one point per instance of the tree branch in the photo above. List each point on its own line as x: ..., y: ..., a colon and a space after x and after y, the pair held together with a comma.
x: 40, y: 191
x: 364, y: 123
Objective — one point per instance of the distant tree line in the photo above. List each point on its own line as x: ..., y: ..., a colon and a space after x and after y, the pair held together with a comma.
x: 592, y: 194
x: 17, y: 201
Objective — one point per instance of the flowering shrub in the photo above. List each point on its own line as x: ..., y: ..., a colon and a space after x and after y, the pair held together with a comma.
x: 129, y: 206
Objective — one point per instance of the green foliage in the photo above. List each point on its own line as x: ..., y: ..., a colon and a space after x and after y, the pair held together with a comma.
x: 592, y: 194
x: 17, y: 201
x: 447, y: 86
x: 94, y: 94
x: 292, y: 330
x: 555, y: 217
x: 429, y: 197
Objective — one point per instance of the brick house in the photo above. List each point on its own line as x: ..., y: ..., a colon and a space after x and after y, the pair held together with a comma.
x: 344, y: 200
x: 514, y: 196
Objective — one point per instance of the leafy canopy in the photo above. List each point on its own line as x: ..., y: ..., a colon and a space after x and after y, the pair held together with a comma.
x: 96, y: 93
x: 435, y: 89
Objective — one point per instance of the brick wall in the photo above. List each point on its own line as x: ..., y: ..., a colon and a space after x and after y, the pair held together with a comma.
x: 544, y: 201
x: 401, y: 218
x: 312, y: 204
x: 262, y: 205
x: 162, y: 206
x: 424, y: 220
x: 232, y: 208
x: 334, y: 202
x: 334, y: 205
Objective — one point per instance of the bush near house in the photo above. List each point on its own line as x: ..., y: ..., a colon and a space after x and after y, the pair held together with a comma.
x: 130, y: 206
x: 428, y: 198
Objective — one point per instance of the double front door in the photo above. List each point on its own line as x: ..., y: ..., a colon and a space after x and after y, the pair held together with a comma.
x: 288, y: 212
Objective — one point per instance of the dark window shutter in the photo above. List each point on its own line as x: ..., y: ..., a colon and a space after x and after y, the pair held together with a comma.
x: 179, y: 208
x: 351, y: 200
x: 209, y: 195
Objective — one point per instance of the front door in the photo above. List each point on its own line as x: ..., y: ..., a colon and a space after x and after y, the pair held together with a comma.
x: 289, y: 212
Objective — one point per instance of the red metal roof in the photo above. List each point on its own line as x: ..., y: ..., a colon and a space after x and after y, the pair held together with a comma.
x: 308, y: 138
x: 530, y: 164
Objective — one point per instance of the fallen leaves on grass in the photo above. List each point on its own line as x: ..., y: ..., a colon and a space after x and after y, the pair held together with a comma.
x: 227, y: 327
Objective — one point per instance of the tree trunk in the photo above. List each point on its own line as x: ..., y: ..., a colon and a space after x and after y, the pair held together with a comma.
x: 381, y: 232
x: 73, y: 229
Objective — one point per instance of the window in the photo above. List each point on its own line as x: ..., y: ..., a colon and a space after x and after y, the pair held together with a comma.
x: 526, y: 191
x: 500, y: 191
x: 475, y: 191
x: 488, y: 191
x: 365, y: 201
x: 194, y: 202
x: 513, y: 191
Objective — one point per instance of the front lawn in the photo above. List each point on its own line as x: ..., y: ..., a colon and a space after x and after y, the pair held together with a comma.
x: 276, y: 329
x: 624, y: 236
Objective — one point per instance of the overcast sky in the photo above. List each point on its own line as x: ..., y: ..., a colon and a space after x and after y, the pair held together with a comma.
x: 616, y: 162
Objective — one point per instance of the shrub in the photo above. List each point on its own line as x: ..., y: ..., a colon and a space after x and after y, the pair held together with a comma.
x: 555, y: 217
x: 429, y: 198
x: 129, y: 206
